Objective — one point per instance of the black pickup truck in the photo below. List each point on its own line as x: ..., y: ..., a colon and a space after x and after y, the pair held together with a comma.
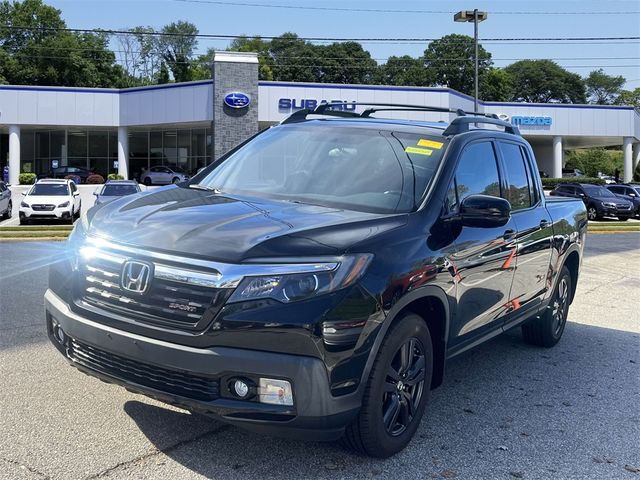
x: 314, y: 281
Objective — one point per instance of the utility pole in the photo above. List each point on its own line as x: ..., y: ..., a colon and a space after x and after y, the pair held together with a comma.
x: 476, y: 17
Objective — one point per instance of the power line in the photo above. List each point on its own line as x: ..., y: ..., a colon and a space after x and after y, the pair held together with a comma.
x: 384, y: 10
x: 330, y: 39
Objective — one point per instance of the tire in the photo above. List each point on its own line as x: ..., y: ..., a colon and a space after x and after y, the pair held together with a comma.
x: 24, y: 221
x: 7, y: 215
x: 623, y: 219
x: 175, y: 180
x: 384, y: 395
x: 546, y: 330
x: 147, y: 181
x: 592, y: 213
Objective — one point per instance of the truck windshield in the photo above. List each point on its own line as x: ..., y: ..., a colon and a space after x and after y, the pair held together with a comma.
x: 345, y: 167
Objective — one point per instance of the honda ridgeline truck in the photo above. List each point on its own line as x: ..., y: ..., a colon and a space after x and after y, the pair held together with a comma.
x: 314, y: 281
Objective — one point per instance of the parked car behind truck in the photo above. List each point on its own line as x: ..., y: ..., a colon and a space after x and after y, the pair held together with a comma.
x: 314, y: 281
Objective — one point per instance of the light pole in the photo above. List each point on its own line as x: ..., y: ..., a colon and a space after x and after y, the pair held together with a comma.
x: 476, y: 17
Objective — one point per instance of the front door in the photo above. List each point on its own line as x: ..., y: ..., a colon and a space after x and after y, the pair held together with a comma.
x: 483, y: 263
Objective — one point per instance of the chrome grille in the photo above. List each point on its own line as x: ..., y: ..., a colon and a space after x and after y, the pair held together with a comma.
x: 168, y: 301
x: 42, y: 208
x: 162, y: 379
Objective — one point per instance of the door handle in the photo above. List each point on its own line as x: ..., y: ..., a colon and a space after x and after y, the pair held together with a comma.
x: 544, y: 223
x: 508, y: 234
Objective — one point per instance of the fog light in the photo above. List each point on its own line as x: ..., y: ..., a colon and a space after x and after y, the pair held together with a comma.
x: 240, y: 388
x: 276, y: 392
x: 58, y: 333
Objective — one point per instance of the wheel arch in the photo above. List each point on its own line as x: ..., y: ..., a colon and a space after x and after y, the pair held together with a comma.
x: 572, y: 262
x: 431, y: 304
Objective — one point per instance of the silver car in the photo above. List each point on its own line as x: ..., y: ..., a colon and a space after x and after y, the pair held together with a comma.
x: 162, y: 175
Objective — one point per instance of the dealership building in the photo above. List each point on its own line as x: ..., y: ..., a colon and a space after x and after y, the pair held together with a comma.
x: 189, y: 124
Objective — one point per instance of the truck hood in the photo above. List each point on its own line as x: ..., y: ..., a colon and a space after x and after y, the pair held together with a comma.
x: 231, y: 228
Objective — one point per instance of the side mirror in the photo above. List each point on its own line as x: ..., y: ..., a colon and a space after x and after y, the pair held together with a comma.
x: 95, y: 193
x: 484, y: 211
x: 24, y: 194
x: 75, y: 194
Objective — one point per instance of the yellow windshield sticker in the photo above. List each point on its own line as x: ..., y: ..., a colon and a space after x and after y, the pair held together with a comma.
x: 419, y: 151
x: 430, y: 143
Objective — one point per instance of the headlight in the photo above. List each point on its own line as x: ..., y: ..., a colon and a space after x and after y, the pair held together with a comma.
x: 24, y: 204
x: 63, y: 205
x: 608, y: 205
x: 292, y: 287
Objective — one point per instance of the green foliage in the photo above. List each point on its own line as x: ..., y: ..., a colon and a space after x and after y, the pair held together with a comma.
x: 595, y: 160
x: 294, y: 59
x: 450, y: 62
x: 261, y: 47
x: 496, y: 85
x: 550, y: 183
x: 114, y: 176
x: 603, y: 89
x: 346, y: 62
x: 629, y: 97
x: 176, y: 46
x: 42, y: 54
x: 543, y: 81
x: 404, y: 70
x: 27, y: 178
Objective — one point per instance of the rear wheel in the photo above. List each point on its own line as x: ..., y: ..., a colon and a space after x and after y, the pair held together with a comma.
x: 147, y: 181
x: 547, y: 330
x: 623, y: 219
x: 397, y: 392
x: 7, y: 214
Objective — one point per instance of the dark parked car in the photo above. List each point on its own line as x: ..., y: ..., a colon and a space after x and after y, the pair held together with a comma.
x: 631, y: 193
x: 113, y: 189
x: 314, y: 281
x: 6, y: 206
x: 572, y: 172
x: 599, y: 201
x: 62, y: 172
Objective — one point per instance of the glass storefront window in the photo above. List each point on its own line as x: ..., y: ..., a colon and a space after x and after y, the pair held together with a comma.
x: 155, y: 148
x: 138, y: 153
x: 169, y: 147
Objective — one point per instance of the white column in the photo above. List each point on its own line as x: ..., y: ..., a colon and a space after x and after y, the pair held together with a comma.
x: 558, y: 162
x: 14, y: 154
x: 635, y: 156
x: 626, y: 151
x: 123, y: 152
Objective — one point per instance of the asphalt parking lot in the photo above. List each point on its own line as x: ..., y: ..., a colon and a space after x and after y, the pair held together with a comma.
x: 506, y: 410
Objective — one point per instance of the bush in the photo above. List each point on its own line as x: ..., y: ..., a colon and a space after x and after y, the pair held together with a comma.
x: 593, y: 160
x: 27, y: 178
x: 550, y: 183
x: 95, y: 179
x: 115, y: 176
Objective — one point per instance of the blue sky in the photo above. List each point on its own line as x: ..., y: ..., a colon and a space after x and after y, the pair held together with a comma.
x: 618, y: 59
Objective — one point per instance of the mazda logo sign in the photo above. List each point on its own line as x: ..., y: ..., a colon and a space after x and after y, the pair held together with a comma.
x: 136, y: 276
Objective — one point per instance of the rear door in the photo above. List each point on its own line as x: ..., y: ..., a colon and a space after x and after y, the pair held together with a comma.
x: 483, y: 260
x: 533, y: 224
x: 5, y: 196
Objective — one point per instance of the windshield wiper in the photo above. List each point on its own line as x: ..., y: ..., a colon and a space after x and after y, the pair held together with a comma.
x: 199, y: 186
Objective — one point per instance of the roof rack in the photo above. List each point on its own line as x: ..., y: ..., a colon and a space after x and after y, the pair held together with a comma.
x: 458, y: 125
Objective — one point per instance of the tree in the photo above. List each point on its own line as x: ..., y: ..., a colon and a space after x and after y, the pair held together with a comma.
x: 345, y: 62
x: 592, y: 161
x: 629, y: 97
x: 41, y: 52
x: 450, y: 61
x: 261, y: 47
x: 603, y: 89
x: 139, y: 55
x: 294, y: 59
x: 496, y: 85
x: 543, y: 81
x: 176, y: 45
x: 404, y: 70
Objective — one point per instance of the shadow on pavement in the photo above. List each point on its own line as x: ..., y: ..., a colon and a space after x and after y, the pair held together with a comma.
x: 580, y: 395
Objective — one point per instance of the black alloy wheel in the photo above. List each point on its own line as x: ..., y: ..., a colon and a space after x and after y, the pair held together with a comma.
x: 592, y: 213
x: 403, y: 387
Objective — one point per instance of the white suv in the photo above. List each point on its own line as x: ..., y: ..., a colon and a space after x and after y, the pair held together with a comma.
x: 160, y: 175
x: 51, y: 199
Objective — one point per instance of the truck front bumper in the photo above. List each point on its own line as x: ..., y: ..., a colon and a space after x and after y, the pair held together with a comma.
x: 194, y: 378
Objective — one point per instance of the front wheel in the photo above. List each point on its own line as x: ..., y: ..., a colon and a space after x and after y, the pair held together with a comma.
x: 397, y: 391
x: 175, y: 180
x: 547, y: 330
x: 592, y: 213
x: 147, y: 181
x: 623, y: 219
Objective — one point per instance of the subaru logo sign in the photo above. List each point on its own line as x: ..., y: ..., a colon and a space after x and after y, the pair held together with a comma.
x: 237, y: 100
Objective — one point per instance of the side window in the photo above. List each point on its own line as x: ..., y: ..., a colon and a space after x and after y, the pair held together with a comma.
x: 534, y: 190
x: 518, y: 191
x: 577, y: 191
x: 477, y: 173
